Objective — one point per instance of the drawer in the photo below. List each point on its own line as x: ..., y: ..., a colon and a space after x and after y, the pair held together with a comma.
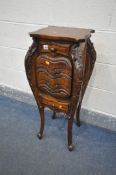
x: 53, y: 65
x: 54, y: 76
x: 53, y: 103
x: 59, y: 87
x: 56, y: 48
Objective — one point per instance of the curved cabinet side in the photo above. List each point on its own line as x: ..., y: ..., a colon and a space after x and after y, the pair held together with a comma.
x: 30, y: 69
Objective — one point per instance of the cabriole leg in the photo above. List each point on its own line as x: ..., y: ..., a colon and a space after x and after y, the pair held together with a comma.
x: 54, y: 114
x: 78, y: 115
x: 40, y: 134
x: 69, y: 132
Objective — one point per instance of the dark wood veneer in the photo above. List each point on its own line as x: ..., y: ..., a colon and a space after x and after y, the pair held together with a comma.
x: 59, y: 65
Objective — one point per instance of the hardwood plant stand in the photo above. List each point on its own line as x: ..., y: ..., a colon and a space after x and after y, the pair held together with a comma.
x: 58, y: 66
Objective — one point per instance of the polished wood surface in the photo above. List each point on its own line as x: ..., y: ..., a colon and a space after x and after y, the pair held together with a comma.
x: 58, y: 66
x: 62, y: 33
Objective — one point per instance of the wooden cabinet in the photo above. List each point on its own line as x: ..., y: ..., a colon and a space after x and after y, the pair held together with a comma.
x: 59, y: 65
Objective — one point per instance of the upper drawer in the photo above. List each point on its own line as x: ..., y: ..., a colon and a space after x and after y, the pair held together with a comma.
x: 57, y: 48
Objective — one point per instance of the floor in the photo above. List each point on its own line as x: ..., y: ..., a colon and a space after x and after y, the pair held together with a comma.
x: 21, y: 153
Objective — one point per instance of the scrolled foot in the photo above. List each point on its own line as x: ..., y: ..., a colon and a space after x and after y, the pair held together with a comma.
x: 39, y: 135
x: 70, y: 147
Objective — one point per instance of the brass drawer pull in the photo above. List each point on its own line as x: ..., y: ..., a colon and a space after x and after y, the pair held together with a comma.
x: 52, y: 49
x: 47, y: 62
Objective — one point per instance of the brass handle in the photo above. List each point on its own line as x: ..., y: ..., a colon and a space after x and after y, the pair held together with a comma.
x: 52, y: 49
x: 60, y: 106
x: 47, y: 62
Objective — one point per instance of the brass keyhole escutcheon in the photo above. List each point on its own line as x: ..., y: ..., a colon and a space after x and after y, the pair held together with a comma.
x: 47, y: 62
x: 60, y: 106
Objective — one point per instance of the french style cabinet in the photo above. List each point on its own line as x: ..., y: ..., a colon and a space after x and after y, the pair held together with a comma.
x: 58, y: 66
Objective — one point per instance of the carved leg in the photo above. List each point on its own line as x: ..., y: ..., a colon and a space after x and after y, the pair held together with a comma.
x: 40, y: 134
x: 69, y: 130
x: 54, y: 114
x: 78, y: 115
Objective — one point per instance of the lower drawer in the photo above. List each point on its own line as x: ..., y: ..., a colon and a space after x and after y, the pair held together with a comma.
x: 53, y: 103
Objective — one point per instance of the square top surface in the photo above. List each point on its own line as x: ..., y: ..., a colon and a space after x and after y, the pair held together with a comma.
x: 62, y: 33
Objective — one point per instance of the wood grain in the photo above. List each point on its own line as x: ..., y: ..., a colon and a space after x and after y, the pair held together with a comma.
x: 58, y: 66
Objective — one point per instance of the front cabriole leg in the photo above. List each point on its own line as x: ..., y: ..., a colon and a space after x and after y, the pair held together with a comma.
x: 40, y: 134
x: 30, y: 72
x: 69, y: 133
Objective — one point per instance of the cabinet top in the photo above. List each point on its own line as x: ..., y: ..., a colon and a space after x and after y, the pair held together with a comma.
x: 62, y: 33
